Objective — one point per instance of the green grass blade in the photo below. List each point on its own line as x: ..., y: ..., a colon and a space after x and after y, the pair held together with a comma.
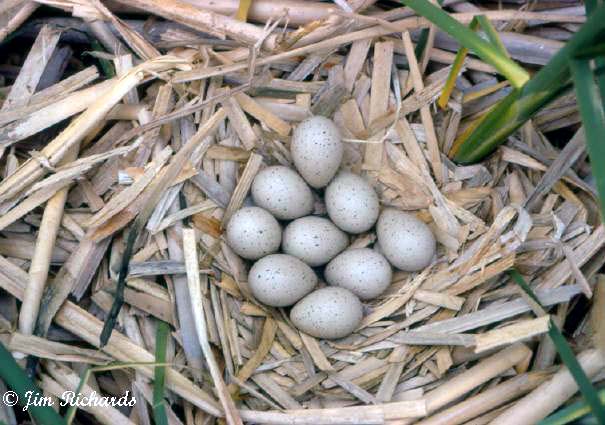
x: 16, y: 379
x: 423, y: 38
x: 591, y: 6
x: 421, y: 43
x: 492, y: 34
x: 593, y: 118
x: 159, y: 374
x: 567, y: 356
x: 572, y: 412
x: 71, y: 411
x: 592, y: 52
x: 106, y: 66
x: 467, y: 38
x: 569, y: 359
x: 521, y: 104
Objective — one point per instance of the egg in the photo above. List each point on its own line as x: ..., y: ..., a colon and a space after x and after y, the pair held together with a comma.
x: 280, y: 280
x: 317, y: 150
x: 328, y: 313
x: 283, y: 192
x: 253, y: 232
x: 351, y: 202
x: 362, y: 271
x: 405, y: 240
x: 314, y: 240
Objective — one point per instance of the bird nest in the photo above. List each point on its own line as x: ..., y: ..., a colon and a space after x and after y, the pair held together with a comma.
x: 149, y: 165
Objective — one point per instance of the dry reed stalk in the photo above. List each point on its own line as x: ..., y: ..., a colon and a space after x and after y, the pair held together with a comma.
x: 356, y: 415
x: 550, y: 395
x: 33, y: 67
x: 38, y: 270
x: 102, y: 32
x: 487, y: 400
x: 267, y: 337
x: 43, y: 118
x: 45, y: 349
x: 32, y: 170
x: 299, y: 13
x: 407, y: 24
x: 472, y: 378
x: 439, y: 299
x: 52, y: 94
x: 195, y: 292
x: 243, y: 186
x: 18, y: 17
x: 88, y: 327
x: 512, y: 333
x: 144, y: 49
x: 125, y: 197
x: 427, y: 119
x: 379, y: 99
x: 205, y: 20
x: 252, y: 107
x: 556, y: 276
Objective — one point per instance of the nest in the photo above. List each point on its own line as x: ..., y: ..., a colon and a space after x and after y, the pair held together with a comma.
x: 151, y: 163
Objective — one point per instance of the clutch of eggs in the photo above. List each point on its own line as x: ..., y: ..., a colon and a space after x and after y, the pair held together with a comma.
x: 308, y: 241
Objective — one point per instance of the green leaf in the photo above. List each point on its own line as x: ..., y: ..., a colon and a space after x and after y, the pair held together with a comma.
x: 593, y: 118
x: 492, y: 35
x: 106, y: 66
x: 567, y: 356
x: 467, y: 38
x: 71, y: 411
x: 159, y: 374
x: 423, y: 38
x: 16, y: 379
x: 591, y: 6
x: 521, y: 104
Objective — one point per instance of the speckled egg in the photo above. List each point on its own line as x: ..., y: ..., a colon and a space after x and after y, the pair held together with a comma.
x: 283, y: 192
x: 314, y: 240
x: 362, y: 271
x: 280, y: 280
x: 317, y: 150
x: 405, y: 241
x: 253, y: 232
x: 351, y: 202
x: 328, y: 313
